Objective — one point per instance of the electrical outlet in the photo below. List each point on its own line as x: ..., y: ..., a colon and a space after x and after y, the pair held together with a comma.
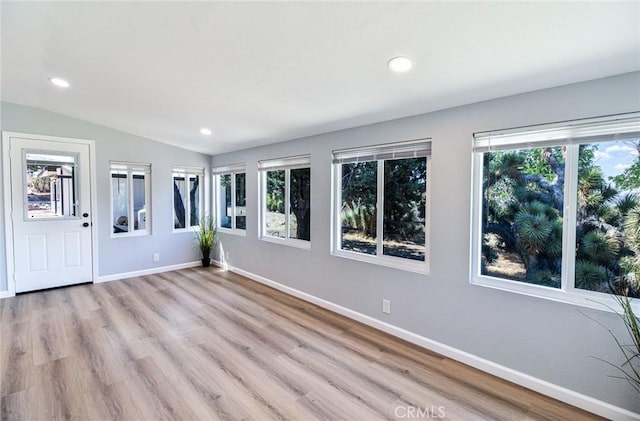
x: 156, y: 257
x: 386, y: 306
x: 226, y: 256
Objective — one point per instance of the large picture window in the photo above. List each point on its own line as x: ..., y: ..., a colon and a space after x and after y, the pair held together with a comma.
x: 187, y: 197
x: 286, y: 200
x: 557, y: 209
x: 231, y: 198
x: 130, y: 199
x: 381, y: 204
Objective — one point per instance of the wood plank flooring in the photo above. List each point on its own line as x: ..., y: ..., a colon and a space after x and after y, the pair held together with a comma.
x: 203, y: 344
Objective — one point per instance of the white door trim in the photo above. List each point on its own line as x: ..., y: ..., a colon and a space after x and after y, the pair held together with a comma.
x: 7, y: 188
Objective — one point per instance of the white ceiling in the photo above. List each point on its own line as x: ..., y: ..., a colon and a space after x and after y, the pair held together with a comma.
x: 259, y: 73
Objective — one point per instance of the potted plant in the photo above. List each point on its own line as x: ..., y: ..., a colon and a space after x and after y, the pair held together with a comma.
x: 628, y: 282
x: 206, y: 236
x: 630, y: 368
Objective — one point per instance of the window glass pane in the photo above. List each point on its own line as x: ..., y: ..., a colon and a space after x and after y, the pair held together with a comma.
x: 50, y: 185
x: 225, y: 201
x: 241, y: 201
x: 405, y: 196
x: 300, y: 204
x: 275, y: 217
x: 179, y: 189
x: 194, y: 200
x: 139, y: 201
x: 358, y: 207
x: 120, y: 201
x: 523, y: 199
x: 608, y: 218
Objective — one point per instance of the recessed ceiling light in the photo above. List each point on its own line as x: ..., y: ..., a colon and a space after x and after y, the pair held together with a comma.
x: 61, y: 83
x: 205, y: 131
x: 400, y: 64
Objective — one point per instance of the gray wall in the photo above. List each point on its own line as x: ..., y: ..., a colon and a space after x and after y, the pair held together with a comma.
x: 117, y: 255
x: 3, y: 262
x: 548, y: 340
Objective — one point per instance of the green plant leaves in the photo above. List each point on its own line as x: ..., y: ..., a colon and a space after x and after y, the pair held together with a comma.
x: 590, y: 275
x: 206, y: 234
x: 600, y: 247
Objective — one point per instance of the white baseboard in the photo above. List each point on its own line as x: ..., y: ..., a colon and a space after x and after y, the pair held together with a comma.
x: 144, y: 272
x: 125, y: 275
x: 571, y: 397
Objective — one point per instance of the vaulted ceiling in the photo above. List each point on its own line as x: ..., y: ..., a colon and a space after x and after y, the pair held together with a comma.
x: 263, y: 72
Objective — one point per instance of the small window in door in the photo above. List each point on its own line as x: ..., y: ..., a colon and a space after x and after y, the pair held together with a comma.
x: 50, y: 185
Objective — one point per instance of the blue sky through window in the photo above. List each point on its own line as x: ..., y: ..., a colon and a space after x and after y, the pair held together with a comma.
x: 615, y: 157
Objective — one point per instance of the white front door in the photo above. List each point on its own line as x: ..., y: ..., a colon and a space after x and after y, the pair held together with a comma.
x: 51, y: 213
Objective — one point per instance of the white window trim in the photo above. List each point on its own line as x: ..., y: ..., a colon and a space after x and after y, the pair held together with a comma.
x: 336, y: 201
x: 189, y: 172
x: 130, y: 167
x: 74, y: 163
x: 291, y: 242
x: 580, y: 132
x: 285, y: 164
x: 218, y: 172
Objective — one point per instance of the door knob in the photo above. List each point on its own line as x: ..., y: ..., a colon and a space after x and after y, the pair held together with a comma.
x: 86, y: 224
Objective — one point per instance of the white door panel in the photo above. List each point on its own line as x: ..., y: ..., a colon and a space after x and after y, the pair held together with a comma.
x: 72, y: 250
x: 51, y: 213
x: 37, y: 252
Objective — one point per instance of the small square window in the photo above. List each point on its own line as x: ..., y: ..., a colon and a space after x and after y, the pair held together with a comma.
x: 130, y: 199
x: 286, y: 200
x: 381, y: 203
x: 231, y: 199
x: 187, y: 197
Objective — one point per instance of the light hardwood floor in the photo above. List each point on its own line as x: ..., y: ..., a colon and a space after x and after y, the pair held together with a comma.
x: 203, y: 344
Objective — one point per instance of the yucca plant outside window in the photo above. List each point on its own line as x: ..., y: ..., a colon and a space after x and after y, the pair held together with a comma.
x: 557, y: 207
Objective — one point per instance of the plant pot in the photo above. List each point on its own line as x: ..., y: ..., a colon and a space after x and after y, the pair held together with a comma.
x: 206, y: 262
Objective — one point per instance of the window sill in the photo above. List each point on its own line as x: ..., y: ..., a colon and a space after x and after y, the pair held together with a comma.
x: 183, y: 230
x: 230, y: 231
x: 577, y: 297
x: 390, y: 262
x: 131, y: 234
x: 289, y: 242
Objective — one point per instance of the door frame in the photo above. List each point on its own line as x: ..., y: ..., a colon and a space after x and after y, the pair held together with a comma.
x: 8, y: 185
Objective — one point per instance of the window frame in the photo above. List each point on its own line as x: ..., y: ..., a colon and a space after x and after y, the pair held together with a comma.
x: 188, y: 172
x: 218, y: 173
x: 569, y: 134
x: 130, y: 168
x: 74, y: 193
x: 285, y: 164
x: 402, y: 150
